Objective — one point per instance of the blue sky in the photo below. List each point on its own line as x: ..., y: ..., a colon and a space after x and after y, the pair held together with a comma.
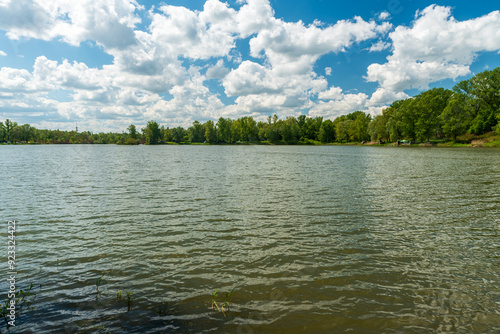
x: 106, y: 64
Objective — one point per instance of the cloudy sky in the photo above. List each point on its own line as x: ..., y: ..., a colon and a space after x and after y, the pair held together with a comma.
x: 105, y: 64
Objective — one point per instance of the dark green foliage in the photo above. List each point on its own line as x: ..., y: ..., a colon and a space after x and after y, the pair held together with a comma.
x: 196, y: 132
x: 178, y: 134
x: 132, y: 131
x: 456, y: 116
x: 482, y: 99
x: 498, y: 124
x: 377, y: 127
x: 210, y: 132
x: 473, y: 106
x: 312, y: 127
x: 8, y: 129
x: 272, y: 132
x: 428, y: 107
x: 352, y: 127
x: 326, y: 132
x: 152, y: 133
x: 358, y: 129
x: 245, y: 129
x: 166, y: 134
x: 289, y: 130
x: 342, y: 126
x: 224, y: 130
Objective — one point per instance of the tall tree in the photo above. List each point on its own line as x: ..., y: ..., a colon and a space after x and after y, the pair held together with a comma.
x: 289, y: 130
x: 167, y: 134
x: 152, y: 133
x: 178, y: 134
x: 132, y: 131
x: 248, y: 130
x: 2, y: 132
x: 428, y: 107
x: 378, y: 127
x: 224, y: 130
x: 327, y: 132
x: 210, y: 132
x: 456, y: 116
x: 301, y: 122
x: 358, y: 128
x: 342, y: 125
x: 312, y: 127
x: 272, y: 131
x: 483, y: 94
x: 197, y: 132
x: 9, y: 126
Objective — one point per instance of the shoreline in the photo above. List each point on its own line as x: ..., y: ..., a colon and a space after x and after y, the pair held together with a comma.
x: 451, y: 144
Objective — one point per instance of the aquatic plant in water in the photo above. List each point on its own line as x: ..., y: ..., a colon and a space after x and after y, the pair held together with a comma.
x: 129, y: 300
x: 22, y: 299
x: 223, y: 306
x: 98, y: 282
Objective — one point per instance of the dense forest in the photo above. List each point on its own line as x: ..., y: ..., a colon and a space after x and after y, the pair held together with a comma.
x: 472, y: 107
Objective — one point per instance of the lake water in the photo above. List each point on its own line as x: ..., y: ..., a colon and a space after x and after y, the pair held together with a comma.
x: 327, y: 239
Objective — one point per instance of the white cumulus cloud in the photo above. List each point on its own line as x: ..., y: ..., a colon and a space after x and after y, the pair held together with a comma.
x: 107, y: 22
x: 165, y: 60
x: 435, y: 47
x: 379, y: 46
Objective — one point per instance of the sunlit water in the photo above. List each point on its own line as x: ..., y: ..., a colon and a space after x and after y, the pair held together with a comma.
x: 315, y: 239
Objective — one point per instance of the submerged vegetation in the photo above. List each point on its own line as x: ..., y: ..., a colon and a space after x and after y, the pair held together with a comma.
x: 221, y: 306
x: 459, y: 116
x: 20, y: 301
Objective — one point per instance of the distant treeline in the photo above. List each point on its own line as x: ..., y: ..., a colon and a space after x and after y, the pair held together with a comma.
x: 472, y: 107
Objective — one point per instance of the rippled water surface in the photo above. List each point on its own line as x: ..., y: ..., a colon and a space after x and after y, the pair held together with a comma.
x: 315, y: 239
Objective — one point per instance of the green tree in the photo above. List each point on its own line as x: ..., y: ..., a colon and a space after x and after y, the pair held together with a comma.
x: 393, y: 125
x: 196, y: 132
x: 235, y: 131
x: 456, y: 116
x: 167, y: 134
x: 272, y: 130
x: 402, y: 119
x: 358, y: 128
x: 289, y: 130
x: 301, y: 122
x: 342, y: 126
x: 22, y: 133
x: 224, y: 130
x: 132, y: 131
x: 9, y: 126
x: 327, y: 132
x: 378, y: 126
x: 428, y: 107
x: 2, y: 132
x: 408, y: 118
x: 178, y: 134
x: 482, y: 93
x: 312, y: 127
x: 210, y: 132
x: 152, y: 133
x: 248, y: 129
x: 262, y: 131
x: 498, y: 124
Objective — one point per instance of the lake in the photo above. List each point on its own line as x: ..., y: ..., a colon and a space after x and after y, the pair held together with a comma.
x: 313, y: 239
